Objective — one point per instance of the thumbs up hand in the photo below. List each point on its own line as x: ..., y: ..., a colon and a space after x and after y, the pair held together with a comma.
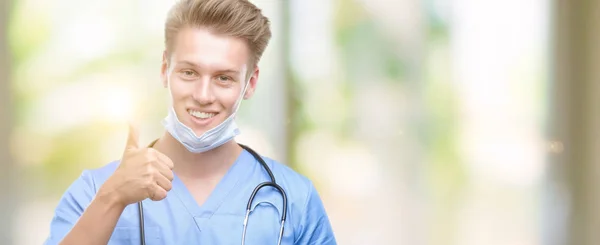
x: 143, y: 173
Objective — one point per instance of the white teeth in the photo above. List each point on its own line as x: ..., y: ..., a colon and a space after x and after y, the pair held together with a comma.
x: 201, y: 115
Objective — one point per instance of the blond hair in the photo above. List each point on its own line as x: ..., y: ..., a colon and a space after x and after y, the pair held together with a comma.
x: 235, y: 18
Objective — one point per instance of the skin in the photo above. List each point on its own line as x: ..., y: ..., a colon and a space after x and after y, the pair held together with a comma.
x: 204, y: 72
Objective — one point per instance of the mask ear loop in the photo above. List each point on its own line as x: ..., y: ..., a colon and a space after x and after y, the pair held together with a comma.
x: 170, y: 97
x: 239, y: 100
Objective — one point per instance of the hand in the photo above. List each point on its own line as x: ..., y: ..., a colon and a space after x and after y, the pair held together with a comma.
x: 143, y: 173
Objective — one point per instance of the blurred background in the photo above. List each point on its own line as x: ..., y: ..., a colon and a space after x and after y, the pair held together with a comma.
x: 457, y: 122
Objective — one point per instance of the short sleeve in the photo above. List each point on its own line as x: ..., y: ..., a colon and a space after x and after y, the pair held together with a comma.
x: 70, y: 207
x: 315, y: 227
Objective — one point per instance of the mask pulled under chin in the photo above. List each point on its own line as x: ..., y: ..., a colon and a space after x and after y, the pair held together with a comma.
x: 213, y: 138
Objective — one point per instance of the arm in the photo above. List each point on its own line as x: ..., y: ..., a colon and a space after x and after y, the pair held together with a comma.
x: 97, y: 223
x: 314, y: 225
x: 83, y: 217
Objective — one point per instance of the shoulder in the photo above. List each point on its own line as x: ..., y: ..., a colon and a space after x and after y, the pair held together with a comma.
x: 101, y: 174
x: 310, y: 218
x: 290, y: 179
x: 91, y: 179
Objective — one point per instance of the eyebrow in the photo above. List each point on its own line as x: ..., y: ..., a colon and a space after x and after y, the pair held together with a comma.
x: 229, y: 71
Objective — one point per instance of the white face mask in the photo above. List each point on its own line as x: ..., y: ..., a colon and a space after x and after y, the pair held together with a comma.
x: 212, y: 138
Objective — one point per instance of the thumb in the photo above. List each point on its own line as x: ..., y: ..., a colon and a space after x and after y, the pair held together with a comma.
x: 132, y: 138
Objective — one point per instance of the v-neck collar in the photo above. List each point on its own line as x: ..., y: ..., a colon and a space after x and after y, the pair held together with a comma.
x: 219, y: 194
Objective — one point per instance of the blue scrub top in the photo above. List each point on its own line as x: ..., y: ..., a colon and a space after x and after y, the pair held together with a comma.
x: 178, y: 219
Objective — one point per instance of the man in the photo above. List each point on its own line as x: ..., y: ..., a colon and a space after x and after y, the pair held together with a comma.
x: 195, y: 181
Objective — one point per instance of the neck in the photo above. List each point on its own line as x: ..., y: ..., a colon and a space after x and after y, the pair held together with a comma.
x: 204, y: 165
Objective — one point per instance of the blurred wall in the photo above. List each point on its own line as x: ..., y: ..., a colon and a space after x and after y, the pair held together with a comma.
x: 7, y: 201
x: 434, y: 112
x: 575, y: 120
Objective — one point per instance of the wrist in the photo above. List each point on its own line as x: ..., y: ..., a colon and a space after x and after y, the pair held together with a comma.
x: 110, y: 199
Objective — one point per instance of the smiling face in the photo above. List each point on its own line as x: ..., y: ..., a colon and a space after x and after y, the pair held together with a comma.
x: 206, y: 74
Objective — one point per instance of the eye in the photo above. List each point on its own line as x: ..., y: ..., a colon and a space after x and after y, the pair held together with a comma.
x: 188, y: 73
x: 224, y: 79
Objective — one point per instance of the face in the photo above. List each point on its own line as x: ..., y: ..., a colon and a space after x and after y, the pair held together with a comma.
x: 206, y: 74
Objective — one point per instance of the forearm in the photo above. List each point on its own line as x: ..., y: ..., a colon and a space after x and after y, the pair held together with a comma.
x: 96, y: 224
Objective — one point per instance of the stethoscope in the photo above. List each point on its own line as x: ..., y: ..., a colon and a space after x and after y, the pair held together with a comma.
x: 248, y: 207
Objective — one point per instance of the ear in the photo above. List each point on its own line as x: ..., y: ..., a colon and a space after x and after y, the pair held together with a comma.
x: 164, y: 68
x: 252, y: 83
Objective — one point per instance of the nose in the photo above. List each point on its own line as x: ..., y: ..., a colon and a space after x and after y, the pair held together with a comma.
x: 203, y: 93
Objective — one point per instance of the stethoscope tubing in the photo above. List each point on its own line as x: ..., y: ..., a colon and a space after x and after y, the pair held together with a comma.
x: 271, y: 183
